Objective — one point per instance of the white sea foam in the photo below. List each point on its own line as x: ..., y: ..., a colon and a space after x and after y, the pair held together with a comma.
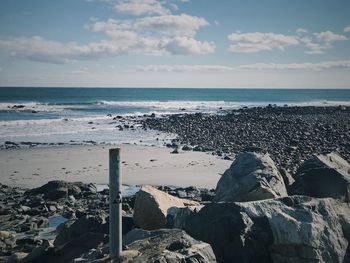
x: 168, y: 106
x: 174, y: 105
x: 37, y: 106
x: 82, y: 125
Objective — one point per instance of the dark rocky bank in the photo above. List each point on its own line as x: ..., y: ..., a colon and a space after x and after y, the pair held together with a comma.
x: 289, y: 134
x: 29, y: 217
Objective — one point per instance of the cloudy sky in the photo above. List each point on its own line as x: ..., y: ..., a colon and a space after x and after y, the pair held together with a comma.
x: 175, y: 43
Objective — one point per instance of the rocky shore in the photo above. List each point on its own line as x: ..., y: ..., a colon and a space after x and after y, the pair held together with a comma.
x: 60, y: 221
x: 285, y: 198
x: 288, y: 134
x: 255, y: 214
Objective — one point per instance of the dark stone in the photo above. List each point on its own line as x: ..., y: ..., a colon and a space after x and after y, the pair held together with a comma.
x: 222, y: 226
x: 323, y: 176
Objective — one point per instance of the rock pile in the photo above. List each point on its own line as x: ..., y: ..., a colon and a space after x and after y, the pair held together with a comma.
x: 252, y: 176
x: 250, y: 219
x: 289, y: 229
x: 151, y: 207
x: 289, y: 134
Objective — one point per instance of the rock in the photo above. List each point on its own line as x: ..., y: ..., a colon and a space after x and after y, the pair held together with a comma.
x: 16, y: 257
x: 287, y: 178
x: 127, y: 256
x: 252, y: 176
x: 37, y: 253
x: 54, y: 190
x: 186, y: 148
x: 175, y: 151
x: 75, y: 228
x: 87, y: 188
x: 177, y: 216
x: 166, y: 245
x: 5, y: 234
x: 151, y: 207
x: 324, y: 176
x: 20, y: 106
x: 289, y: 229
x: 93, y: 255
x: 127, y: 224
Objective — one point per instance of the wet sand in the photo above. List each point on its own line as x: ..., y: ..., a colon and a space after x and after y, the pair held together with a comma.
x: 140, y: 165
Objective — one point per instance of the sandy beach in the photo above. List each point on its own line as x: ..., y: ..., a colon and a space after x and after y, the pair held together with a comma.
x: 140, y: 165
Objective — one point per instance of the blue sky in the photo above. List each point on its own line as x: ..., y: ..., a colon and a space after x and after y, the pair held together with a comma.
x: 175, y: 43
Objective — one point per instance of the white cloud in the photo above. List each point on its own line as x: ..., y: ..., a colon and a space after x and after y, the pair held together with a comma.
x: 315, y: 43
x: 141, y: 7
x: 123, y: 42
x: 187, y: 46
x: 318, y: 43
x: 184, y: 68
x: 257, y: 41
x: 172, y: 24
x: 347, y: 29
x: 38, y: 49
x: 314, y: 47
x: 156, y: 35
x: 79, y: 72
x: 299, y: 66
x: 301, y: 30
x: 257, y: 66
x: 178, y: 25
x: 328, y: 36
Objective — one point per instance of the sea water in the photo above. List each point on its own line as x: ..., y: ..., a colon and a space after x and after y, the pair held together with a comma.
x: 75, y: 115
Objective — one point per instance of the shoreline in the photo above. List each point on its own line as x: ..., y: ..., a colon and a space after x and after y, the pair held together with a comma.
x: 152, y: 165
x: 289, y: 134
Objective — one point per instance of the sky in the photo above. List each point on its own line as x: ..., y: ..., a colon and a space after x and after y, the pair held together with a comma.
x: 175, y: 43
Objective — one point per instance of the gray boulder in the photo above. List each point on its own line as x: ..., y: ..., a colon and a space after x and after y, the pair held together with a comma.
x: 151, y: 207
x: 289, y: 230
x: 324, y: 176
x: 252, y: 176
x: 165, y: 245
x: 73, y: 229
x: 54, y: 190
x: 177, y: 216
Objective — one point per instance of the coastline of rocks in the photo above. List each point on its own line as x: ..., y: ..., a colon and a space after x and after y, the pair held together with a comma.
x: 49, y: 216
x: 289, y: 134
x: 253, y: 215
x: 284, y: 198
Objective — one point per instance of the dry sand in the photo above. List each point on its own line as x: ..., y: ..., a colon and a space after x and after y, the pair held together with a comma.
x: 141, y: 165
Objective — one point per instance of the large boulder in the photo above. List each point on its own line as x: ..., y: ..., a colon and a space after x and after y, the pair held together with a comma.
x: 151, y: 207
x: 289, y: 230
x: 54, y: 190
x: 324, y: 176
x: 73, y: 229
x: 177, y: 216
x: 165, y: 245
x: 252, y: 176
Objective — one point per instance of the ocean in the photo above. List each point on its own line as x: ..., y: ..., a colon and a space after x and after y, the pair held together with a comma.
x: 77, y: 115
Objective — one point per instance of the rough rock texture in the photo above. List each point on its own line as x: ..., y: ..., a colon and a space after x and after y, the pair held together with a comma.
x: 151, y: 207
x: 289, y: 134
x: 75, y: 228
x: 252, y: 176
x: 290, y: 230
x: 324, y: 176
x: 165, y: 245
x: 177, y: 216
x: 54, y: 190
